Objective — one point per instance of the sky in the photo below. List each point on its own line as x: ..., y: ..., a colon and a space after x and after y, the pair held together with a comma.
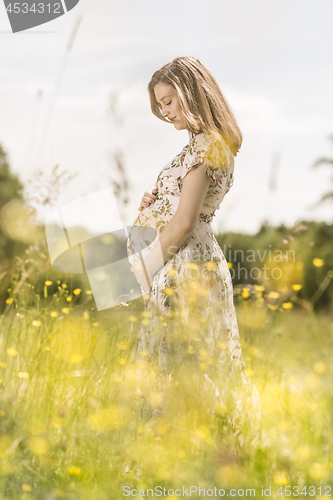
x: 272, y: 61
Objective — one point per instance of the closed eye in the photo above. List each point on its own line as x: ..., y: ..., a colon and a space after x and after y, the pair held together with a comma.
x: 167, y: 104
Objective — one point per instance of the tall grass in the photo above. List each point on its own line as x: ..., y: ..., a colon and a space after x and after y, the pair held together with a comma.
x: 80, y: 419
x: 77, y: 421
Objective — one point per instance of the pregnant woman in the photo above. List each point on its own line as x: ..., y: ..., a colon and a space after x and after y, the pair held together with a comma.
x: 189, y: 316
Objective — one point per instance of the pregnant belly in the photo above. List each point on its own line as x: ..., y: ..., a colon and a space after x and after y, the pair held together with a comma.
x: 156, y: 215
x: 146, y: 227
x: 146, y: 218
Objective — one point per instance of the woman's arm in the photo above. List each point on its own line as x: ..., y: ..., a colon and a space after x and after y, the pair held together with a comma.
x: 181, y: 226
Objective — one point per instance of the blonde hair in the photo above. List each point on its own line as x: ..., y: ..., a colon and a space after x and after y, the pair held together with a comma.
x: 201, y: 100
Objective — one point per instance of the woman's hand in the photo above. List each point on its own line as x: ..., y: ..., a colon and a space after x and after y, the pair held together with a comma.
x: 148, y: 198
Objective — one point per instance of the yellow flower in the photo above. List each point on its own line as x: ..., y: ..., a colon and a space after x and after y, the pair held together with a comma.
x: 303, y: 452
x: 281, y: 478
x: 12, y: 352
x: 54, y: 314
x: 107, y: 239
x: 273, y: 295
x: 210, y: 265
x: 161, y: 426
x: 273, y: 308
x: 230, y: 264
x: 249, y: 371
x: 320, y: 367
x: 143, y: 353
x: 202, y: 431
x: 48, y: 283
x: 296, y: 287
x: 168, y: 290
x: 9, y: 301
x: 74, y: 471
x: 75, y: 358
x: 88, y: 292
x: 221, y: 408
x: 285, y: 425
x: 112, y: 418
x: 124, y: 345
x: 146, y: 297
x: 86, y: 315
x: 191, y: 265
x: 172, y: 273
x: 23, y: 375
x: 64, y: 285
x: 38, y: 445
x: 133, y: 318
x: 26, y: 487
x: 245, y: 293
x: 287, y: 305
x: 145, y: 321
x: 203, y: 354
x: 77, y: 291
x: 318, y: 471
x: 146, y: 314
x: 36, y: 322
x: 69, y: 299
x: 259, y: 288
x: 223, y: 345
x: 65, y: 310
x: 95, y: 324
x: 122, y: 361
x: 318, y: 262
x: 155, y: 398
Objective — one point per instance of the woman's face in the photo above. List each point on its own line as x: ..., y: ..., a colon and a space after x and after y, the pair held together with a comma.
x: 166, y: 95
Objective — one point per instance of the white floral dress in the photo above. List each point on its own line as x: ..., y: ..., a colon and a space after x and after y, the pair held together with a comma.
x: 193, y: 291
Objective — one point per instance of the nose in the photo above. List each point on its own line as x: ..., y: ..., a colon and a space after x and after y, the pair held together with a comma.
x: 164, y: 112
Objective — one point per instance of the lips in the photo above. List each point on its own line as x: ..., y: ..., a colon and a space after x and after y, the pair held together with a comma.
x: 172, y: 119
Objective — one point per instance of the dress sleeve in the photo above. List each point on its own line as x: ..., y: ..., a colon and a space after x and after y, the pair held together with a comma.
x: 216, y: 157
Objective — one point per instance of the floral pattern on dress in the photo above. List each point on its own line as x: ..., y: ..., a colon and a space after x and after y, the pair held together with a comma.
x: 193, y: 290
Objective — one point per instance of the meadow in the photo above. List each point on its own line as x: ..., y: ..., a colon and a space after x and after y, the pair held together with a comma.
x: 72, y: 420
x: 80, y: 420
